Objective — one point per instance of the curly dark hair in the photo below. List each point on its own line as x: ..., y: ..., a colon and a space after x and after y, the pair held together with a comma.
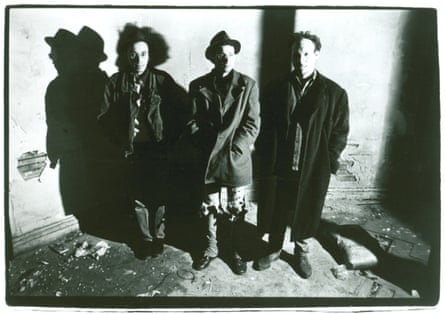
x: 297, y: 37
x: 130, y: 34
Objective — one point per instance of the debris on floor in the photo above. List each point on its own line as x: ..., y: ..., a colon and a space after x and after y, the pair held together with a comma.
x: 85, y: 249
x: 340, y: 272
x: 88, y: 265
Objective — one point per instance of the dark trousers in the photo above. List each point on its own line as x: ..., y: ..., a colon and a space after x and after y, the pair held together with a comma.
x: 149, y: 177
x: 284, y: 211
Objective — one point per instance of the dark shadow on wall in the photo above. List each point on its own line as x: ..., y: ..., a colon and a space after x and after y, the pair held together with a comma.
x: 277, y: 26
x: 409, y: 169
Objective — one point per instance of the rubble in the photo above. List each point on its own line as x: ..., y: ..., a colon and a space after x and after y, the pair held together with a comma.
x: 340, y: 272
x: 84, y: 249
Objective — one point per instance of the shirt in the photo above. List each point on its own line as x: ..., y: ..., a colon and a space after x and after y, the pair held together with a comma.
x: 300, y: 88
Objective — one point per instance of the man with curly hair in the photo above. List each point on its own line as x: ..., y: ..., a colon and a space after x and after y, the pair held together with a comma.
x: 142, y: 114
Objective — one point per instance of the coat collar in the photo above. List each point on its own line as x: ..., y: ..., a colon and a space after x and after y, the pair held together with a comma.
x: 314, y: 95
x: 237, y: 86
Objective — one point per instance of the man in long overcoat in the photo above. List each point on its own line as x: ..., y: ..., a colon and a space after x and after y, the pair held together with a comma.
x: 305, y: 131
x: 225, y: 124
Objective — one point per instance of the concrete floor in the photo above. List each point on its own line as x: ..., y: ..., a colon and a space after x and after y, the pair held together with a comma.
x: 54, y: 276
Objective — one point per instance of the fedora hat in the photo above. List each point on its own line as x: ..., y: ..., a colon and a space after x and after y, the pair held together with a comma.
x: 221, y: 39
x: 62, y: 39
x: 91, y: 42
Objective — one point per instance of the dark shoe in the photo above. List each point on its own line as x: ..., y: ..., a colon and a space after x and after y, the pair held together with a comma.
x: 265, y: 261
x: 145, y: 250
x: 239, y: 266
x: 158, y: 248
x: 302, y: 265
x: 203, y: 262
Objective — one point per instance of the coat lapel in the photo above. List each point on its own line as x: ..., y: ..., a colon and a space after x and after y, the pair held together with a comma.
x: 235, y: 90
x: 316, y: 94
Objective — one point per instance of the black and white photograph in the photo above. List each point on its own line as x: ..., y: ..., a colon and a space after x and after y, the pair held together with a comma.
x: 259, y: 156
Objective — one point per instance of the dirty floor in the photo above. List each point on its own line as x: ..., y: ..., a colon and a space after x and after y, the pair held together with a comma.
x: 98, y: 267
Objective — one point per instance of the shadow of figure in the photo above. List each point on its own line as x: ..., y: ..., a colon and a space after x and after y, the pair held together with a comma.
x: 88, y: 172
x: 107, y: 214
x: 404, y: 273
x: 65, y: 139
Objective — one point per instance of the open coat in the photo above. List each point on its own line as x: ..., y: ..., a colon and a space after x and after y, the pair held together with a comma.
x: 325, y: 139
x: 226, y: 130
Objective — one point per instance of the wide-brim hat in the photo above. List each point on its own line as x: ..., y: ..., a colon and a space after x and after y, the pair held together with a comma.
x: 92, y: 42
x: 221, y: 39
x: 62, y: 39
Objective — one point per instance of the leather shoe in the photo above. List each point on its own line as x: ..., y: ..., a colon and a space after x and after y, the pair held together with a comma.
x: 239, y: 266
x: 158, y: 248
x: 203, y: 262
x: 265, y: 261
x: 302, y: 265
x: 144, y: 250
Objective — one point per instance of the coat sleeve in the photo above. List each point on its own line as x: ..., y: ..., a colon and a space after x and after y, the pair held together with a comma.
x: 340, y: 130
x: 248, y: 130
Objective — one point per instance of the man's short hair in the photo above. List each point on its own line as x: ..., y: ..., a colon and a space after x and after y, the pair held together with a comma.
x: 297, y: 37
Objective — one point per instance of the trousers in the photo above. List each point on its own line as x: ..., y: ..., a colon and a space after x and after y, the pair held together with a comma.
x: 283, y: 212
x: 223, y: 206
x: 149, y: 177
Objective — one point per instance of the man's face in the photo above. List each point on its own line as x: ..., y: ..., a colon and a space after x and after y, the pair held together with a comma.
x: 138, y: 56
x: 224, y: 59
x: 304, y: 57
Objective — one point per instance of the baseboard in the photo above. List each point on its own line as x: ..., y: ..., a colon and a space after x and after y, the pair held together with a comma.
x: 44, y: 235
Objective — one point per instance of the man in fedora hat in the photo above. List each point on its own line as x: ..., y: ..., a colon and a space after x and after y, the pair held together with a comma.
x: 225, y: 124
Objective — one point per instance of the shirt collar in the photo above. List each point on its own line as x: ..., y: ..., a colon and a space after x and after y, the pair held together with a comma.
x: 309, y: 80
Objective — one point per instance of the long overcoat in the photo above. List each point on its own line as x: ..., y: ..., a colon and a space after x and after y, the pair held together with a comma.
x: 324, y: 140
x: 227, y: 127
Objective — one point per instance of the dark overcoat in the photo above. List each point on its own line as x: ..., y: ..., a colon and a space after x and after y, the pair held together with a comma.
x: 149, y: 167
x: 118, y: 111
x: 227, y: 128
x: 324, y: 140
